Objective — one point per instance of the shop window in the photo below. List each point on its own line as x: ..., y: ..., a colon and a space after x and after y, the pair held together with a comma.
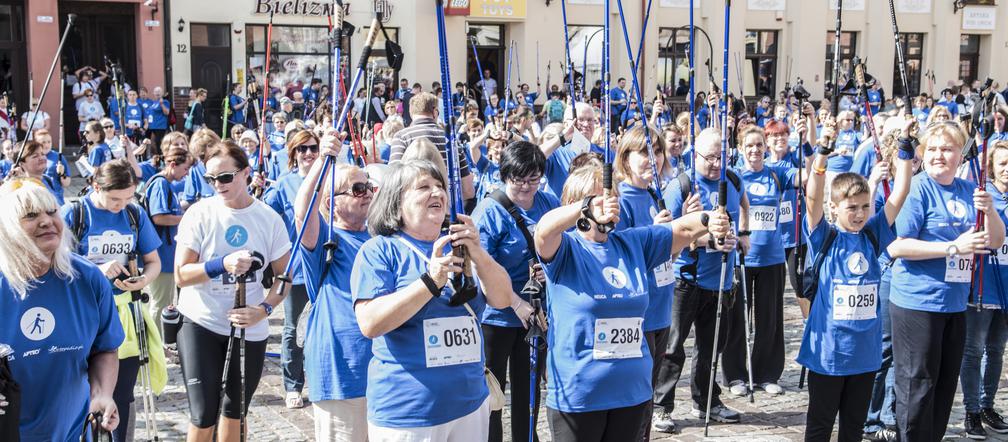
x: 299, y: 53
x: 673, y: 60
x: 913, y: 52
x: 761, y: 62
x: 969, y: 57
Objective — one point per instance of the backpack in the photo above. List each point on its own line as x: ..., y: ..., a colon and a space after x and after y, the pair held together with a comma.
x: 143, y: 200
x: 686, y: 184
x: 132, y: 212
x: 810, y: 277
x: 189, y: 117
x: 554, y: 111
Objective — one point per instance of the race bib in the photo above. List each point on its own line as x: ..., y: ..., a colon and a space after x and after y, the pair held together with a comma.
x: 1001, y: 254
x: 854, y: 302
x: 786, y: 214
x: 617, y: 338
x: 762, y: 218
x: 109, y: 246
x: 664, y: 274
x: 958, y: 268
x: 451, y: 341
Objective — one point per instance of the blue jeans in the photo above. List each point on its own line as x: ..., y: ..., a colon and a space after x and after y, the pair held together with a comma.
x: 882, y: 407
x: 986, y: 333
x: 292, y: 356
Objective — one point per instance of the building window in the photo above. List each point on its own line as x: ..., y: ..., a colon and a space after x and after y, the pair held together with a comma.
x: 586, y: 53
x: 299, y: 53
x: 761, y: 60
x: 848, y: 47
x: 377, y: 58
x: 969, y: 57
x: 673, y: 60
x: 913, y: 51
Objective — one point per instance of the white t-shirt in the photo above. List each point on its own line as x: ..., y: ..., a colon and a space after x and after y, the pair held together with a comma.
x: 213, y: 230
x: 89, y: 111
x: 39, y: 121
x: 82, y: 86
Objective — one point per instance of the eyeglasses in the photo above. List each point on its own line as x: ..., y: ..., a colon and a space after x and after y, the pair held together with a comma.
x: 528, y: 181
x: 715, y: 158
x: 223, y: 178
x: 306, y: 147
x: 358, y: 190
x: 108, y: 127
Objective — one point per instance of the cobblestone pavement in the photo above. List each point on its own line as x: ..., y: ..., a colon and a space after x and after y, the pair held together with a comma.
x: 770, y: 418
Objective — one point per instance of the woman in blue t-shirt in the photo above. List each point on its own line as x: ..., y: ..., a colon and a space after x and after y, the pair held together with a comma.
x: 842, y: 342
x: 95, y: 150
x: 54, y: 299
x: 931, y: 280
x: 986, y: 330
x: 521, y: 170
x: 599, y: 365
x: 336, y: 355
x: 426, y: 380
x: 115, y: 234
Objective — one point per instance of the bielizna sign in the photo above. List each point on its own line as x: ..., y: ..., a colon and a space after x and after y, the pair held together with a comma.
x: 310, y: 8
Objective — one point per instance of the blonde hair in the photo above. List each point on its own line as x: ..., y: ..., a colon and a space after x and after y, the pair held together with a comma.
x: 998, y: 145
x: 634, y: 141
x: 938, y: 110
x: 424, y: 103
x: 945, y: 129
x: 424, y: 149
x: 583, y: 180
x: 19, y: 256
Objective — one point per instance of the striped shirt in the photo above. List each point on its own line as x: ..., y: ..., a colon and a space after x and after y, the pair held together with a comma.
x: 424, y: 127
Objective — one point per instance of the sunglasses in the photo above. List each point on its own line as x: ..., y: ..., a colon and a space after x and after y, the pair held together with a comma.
x: 359, y: 190
x: 306, y: 147
x: 108, y: 127
x: 223, y: 178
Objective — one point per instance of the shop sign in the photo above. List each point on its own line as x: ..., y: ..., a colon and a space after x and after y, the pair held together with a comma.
x: 457, y: 7
x: 767, y: 5
x: 979, y: 18
x: 384, y: 10
x: 306, y: 8
x: 913, y: 6
x: 290, y: 65
x: 497, y: 9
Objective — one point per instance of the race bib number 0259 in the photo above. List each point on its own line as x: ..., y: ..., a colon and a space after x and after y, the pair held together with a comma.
x: 855, y: 302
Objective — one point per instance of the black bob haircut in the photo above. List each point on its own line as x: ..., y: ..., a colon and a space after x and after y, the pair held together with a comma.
x: 521, y: 159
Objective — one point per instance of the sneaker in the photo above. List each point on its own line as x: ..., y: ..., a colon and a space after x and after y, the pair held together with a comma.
x: 662, y: 421
x: 974, y: 427
x: 772, y: 388
x: 884, y: 435
x: 993, y: 420
x: 719, y: 413
x: 293, y: 400
x: 738, y: 388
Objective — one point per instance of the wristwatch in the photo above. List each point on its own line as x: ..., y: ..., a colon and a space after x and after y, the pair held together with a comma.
x: 563, y: 141
x: 584, y: 223
x: 952, y: 250
x: 267, y: 307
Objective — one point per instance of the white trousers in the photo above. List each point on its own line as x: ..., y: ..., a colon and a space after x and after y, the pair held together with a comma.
x: 341, y: 421
x: 472, y: 427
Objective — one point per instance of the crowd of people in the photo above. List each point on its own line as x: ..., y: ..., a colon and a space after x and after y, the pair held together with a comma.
x: 617, y: 228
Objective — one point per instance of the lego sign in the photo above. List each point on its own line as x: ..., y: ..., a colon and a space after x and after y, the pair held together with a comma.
x: 497, y: 9
x: 457, y: 7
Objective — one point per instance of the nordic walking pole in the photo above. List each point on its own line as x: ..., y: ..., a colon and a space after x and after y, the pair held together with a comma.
x: 45, y: 87
x: 722, y: 206
x: 227, y: 106
x: 239, y: 302
x: 479, y: 67
x: 859, y: 78
x: 570, y: 62
x: 263, y: 142
x: 507, y: 87
x: 900, y: 62
x: 692, y: 96
x: 138, y: 298
x: 748, y: 322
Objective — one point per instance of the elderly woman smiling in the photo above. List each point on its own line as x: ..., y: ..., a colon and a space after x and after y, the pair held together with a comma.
x: 426, y: 380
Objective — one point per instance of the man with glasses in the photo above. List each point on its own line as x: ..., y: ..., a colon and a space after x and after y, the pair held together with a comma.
x: 34, y: 119
x: 572, y: 141
x: 698, y: 272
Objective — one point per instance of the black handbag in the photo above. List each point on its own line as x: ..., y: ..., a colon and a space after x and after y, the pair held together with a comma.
x: 11, y: 391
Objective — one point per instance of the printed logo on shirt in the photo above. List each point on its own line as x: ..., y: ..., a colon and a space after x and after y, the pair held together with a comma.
x: 653, y: 211
x: 758, y: 189
x: 857, y: 264
x: 236, y: 236
x: 37, y: 323
x: 956, y: 208
x: 615, y: 277
x: 713, y: 198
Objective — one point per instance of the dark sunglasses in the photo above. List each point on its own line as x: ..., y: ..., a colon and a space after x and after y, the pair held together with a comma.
x: 359, y: 190
x: 306, y: 147
x: 108, y: 127
x: 223, y: 178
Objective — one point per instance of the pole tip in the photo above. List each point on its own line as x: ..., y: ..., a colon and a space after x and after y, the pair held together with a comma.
x: 71, y: 17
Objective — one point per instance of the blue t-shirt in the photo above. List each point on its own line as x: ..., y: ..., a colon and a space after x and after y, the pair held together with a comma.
x: 874, y: 100
x: 599, y: 358
x: 161, y: 200
x: 864, y: 158
x: 134, y: 116
x: 790, y: 206
x: 53, y: 159
x: 847, y: 139
x: 761, y: 115
x: 196, y: 188
x: 402, y: 391
x: 708, y: 272
x: 995, y: 272
x: 53, y: 331
x: 336, y: 353
x: 99, y: 154
x: 933, y: 212
x: 638, y: 207
x: 530, y: 98
x: 277, y: 140
x: 147, y: 171
x: 236, y: 116
x: 557, y: 168
x: 156, y: 118
x: 109, y: 236
x: 504, y: 241
x: 487, y: 177
x: 617, y: 94
x: 766, y: 203
x: 921, y: 115
x: 113, y: 106
x: 491, y: 111
x: 843, y: 335
x: 5, y: 167
x: 280, y: 196
x: 628, y: 115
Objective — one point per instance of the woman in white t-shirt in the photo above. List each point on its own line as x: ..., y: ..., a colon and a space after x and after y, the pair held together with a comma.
x: 89, y: 109
x: 220, y: 240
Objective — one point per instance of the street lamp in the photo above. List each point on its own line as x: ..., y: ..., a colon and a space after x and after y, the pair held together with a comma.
x: 710, y: 50
x: 584, y: 62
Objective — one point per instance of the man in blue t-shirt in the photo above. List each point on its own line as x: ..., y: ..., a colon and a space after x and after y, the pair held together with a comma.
x: 698, y: 282
x: 617, y: 101
x: 237, y: 104
x: 158, y: 109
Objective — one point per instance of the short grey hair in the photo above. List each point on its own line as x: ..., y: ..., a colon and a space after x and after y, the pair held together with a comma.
x: 385, y: 214
x: 708, y: 137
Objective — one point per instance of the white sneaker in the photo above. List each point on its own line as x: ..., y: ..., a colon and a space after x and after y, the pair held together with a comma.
x: 738, y: 388
x: 772, y: 388
x: 719, y: 413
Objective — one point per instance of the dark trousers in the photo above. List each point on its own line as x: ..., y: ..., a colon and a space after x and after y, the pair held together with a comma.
x: 692, y: 307
x: 927, y: 355
x: 657, y: 341
x: 507, y: 352
x: 765, y: 290
x: 292, y: 356
x: 615, y: 425
x: 829, y: 396
x: 129, y: 368
x: 792, y: 260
